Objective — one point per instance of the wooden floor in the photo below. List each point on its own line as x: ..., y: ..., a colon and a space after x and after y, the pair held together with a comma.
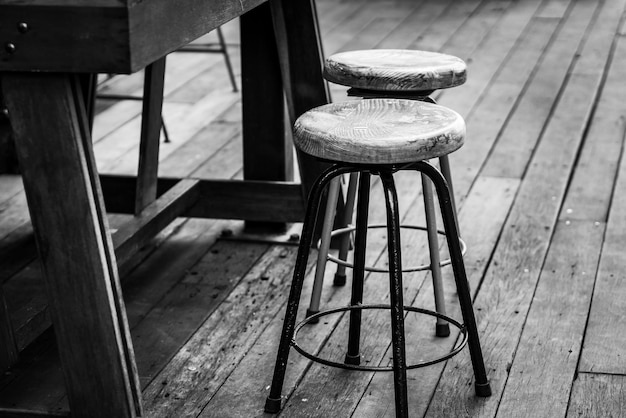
x: 541, y: 189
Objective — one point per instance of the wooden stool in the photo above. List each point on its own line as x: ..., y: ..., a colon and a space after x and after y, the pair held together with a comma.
x: 391, y: 73
x: 380, y: 137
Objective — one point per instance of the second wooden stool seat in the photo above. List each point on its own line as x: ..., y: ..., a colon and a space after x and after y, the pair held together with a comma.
x: 400, y: 71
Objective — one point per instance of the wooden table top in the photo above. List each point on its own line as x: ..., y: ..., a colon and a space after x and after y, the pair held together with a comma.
x: 104, y: 36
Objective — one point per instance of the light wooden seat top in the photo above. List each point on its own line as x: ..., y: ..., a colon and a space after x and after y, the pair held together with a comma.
x: 379, y: 131
x: 395, y: 70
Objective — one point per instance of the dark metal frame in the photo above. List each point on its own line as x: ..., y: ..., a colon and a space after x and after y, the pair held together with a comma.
x: 442, y: 328
x: 459, y: 345
x: 421, y: 267
x: 385, y: 172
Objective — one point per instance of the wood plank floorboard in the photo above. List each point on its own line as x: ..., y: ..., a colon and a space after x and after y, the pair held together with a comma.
x: 540, y: 186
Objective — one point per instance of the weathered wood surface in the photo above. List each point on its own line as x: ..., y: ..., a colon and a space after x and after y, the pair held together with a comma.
x: 543, y: 105
x: 8, y: 160
x: 395, y: 69
x: 106, y: 37
x: 602, y: 350
x: 379, y: 131
x: 85, y: 294
x: 8, y: 350
x: 151, y: 125
x: 598, y: 395
x: 548, y: 351
x: 510, y: 282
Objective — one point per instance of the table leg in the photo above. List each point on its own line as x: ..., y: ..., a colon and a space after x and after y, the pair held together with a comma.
x: 267, y: 147
x: 301, y: 62
x: 8, y: 160
x: 300, y: 56
x: 8, y: 347
x: 151, y: 123
x: 64, y: 199
x: 88, y: 86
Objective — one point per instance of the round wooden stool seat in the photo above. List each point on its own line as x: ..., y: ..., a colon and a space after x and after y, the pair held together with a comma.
x: 395, y: 70
x: 379, y: 131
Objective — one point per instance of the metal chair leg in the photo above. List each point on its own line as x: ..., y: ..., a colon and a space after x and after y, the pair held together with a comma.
x: 273, y: 401
x: 482, y: 387
x: 346, y: 239
x: 322, y: 255
x: 444, y: 164
x: 397, y: 303
x: 166, y: 134
x: 442, y: 329
x: 229, y: 67
x: 353, y: 356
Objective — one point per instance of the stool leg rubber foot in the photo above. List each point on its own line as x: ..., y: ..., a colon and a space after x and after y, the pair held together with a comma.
x: 483, y: 390
x: 442, y: 330
x: 272, y: 406
x: 310, y: 313
x: 353, y: 360
x: 339, y: 280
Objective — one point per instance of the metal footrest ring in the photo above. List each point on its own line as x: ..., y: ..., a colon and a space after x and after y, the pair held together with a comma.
x: 456, y: 349
x: 351, y: 228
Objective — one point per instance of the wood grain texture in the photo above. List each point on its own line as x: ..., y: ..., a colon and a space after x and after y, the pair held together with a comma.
x: 299, y: 46
x: 237, y: 323
x: 220, y: 199
x: 83, y: 288
x: 520, y: 135
x: 379, y: 131
x: 386, y: 22
x: 158, y: 27
x: 489, y: 57
x: 395, y: 70
x: 140, y: 229
x: 550, y: 344
x: 106, y: 36
x: 28, y: 306
x: 415, y: 25
x: 485, y: 122
x: 267, y: 150
x: 592, y: 185
x: 510, y: 282
x: 92, y: 39
x: 151, y: 125
x: 446, y: 26
x: 603, y: 350
x: 598, y: 395
x: 8, y: 159
x: 186, y: 306
x: 69, y: 3
x: 8, y: 346
x: 518, y: 73
x: 253, y: 374
x: 481, y: 218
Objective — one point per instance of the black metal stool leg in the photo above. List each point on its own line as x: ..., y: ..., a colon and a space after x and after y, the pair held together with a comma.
x: 397, y: 303
x: 444, y: 165
x: 353, y: 356
x: 273, y: 401
x: 483, y: 389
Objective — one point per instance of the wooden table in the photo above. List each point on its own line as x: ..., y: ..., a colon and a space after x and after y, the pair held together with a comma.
x: 47, y: 48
